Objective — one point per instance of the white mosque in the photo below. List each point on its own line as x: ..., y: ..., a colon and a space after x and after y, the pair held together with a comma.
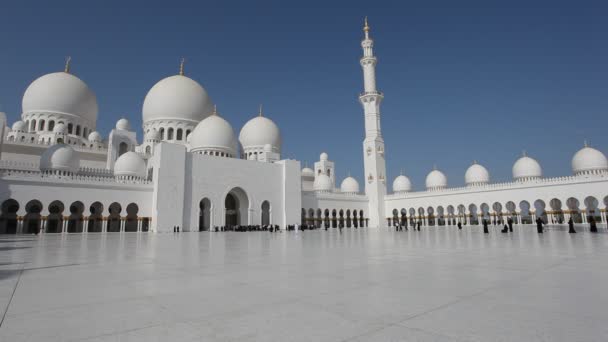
x: 58, y: 174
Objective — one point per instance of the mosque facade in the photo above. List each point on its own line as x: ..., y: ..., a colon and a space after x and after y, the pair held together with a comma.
x: 58, y: 174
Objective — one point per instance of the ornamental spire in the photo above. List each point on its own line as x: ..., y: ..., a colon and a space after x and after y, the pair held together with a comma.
x: 260, y: 113
x: 366, y: 28
x: 68, y: 59
x: 214, y: 110
x: 586, y: 143
x: 181, y: 66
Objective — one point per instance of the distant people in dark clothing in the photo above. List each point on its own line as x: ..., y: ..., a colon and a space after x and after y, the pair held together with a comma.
x: 459, y: 225
x: 505, y: 229
x: 510, y: 223
x: 419, y: 224
x: 539, y: 225
x: 571, y: 226
x: 485, y: 227
x: 592, y: 224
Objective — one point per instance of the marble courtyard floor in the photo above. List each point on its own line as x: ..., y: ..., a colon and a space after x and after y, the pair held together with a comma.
x: 439, y: 284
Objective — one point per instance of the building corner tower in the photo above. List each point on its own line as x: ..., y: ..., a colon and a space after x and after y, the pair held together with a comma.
x: 373, y: 145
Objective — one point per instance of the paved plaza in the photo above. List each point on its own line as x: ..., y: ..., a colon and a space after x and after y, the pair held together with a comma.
x: 439, y: 284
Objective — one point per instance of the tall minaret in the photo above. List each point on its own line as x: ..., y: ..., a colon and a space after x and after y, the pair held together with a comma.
x: 373, y: 145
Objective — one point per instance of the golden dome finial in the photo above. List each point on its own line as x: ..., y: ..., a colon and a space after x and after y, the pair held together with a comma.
x: 586, y: 143
x: 260, y: 113
x: 366, y: 26
x: 214, y: 110
x: 68, y: 59
x: 181, y: 66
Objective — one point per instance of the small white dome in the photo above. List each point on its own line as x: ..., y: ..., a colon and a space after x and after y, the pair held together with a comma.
x: 349, y: 185
x: 60, y: 128
x: 526, y: 168
x: 61, y: 93
x: 308, y: 173
x: 589, y: 160
x: 152, y: 135
x: 260, y: 131
x: 214, y: 134
x: 402, y: 184
x: 323, y: 156
x: 177, y: 97
x: 19, y: 126
x: 60, y: 157
x: 436, y: 180
x: 123, y: 125
x: 322, y: 183
x: 476, y: 174
x: 130, y: 164
x: 95, y: 137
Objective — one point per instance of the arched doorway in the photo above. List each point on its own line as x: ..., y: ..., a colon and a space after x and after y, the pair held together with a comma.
x: 114, y: 217
x: 265, y: 213
x: 75, y: 219
x: 31, y: 224
x: 54, y: 222
x: 204, y: 217
x: 95, y: 219
x: 236, y: 207
x: 131, y: 219
x: 8, y: 219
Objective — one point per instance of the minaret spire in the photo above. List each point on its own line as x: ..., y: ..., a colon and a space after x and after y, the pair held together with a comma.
x: 260, y: 114
x: 68, y: 59
x: 181, y: 66
x: 373, y: 145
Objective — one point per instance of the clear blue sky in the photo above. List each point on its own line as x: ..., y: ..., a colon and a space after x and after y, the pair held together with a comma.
x: 463, y: 80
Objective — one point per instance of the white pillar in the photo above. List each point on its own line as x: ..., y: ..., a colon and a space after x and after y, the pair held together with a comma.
x: 603, y: 213
x: 42, y: 225
x: 104, y: 225
x: 19, y: 225
x: 584, y: 215
x: 139, y: 224
x: 122, y: 224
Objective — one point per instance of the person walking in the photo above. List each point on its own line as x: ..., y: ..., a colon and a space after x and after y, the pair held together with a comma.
x: 539, y: 225
x: 571, y: 226
x: 510, y: 223
x: 592, y: 224
x: 485, y: 227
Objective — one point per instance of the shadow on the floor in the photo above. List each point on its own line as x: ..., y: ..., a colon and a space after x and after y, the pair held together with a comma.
x: 12, y: 248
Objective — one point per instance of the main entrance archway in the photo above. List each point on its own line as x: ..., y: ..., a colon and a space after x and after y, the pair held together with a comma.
x: 236, y: 208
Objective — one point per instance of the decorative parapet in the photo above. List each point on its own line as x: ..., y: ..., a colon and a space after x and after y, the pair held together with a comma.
x: 31, y: 172
x: 503, y: 186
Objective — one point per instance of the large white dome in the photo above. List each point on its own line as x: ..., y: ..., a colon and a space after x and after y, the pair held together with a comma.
x: 476, y: 174
x: 322, y: 183
x: 130, y: 164
x: 177, y: 97
x: 589, y: 160
x: 526, y: 168
x: 349, y: 185
x: 260, y: 131
x: 436, y: 180
x: 60, y: 157
x: 19, y: 126
x: 308, y: 173
x: 402, y: 184
x: 214, y: 134
x: 61, y: 93
x: 95, y: 137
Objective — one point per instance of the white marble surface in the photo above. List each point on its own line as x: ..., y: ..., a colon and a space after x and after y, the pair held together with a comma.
x: 439, y: 284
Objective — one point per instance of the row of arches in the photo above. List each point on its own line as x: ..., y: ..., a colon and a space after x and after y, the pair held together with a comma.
x: 334, y: 218
x: 173, y: 134
x: 76, y: 219
x: 41, y: 125
x: 554, y: 212
x: 236, y: 210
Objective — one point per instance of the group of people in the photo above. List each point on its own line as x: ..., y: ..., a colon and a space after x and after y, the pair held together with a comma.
x: 249, y: 228
x: 508, y: 227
